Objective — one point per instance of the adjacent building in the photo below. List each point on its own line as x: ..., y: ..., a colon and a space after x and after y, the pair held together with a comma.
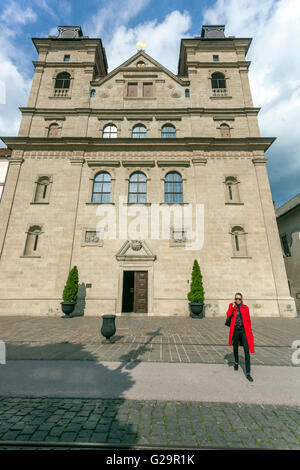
x: 106, y: 166
x: 288, y: 221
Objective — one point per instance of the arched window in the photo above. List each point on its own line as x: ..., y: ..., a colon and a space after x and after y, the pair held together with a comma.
x: 62, y: 84
x: 42, y: 189
x: 92, y: 93
x: 232, y: 190
x: 54, y: 130
x: 32, y: 240
x: 110, y: 132
x: 187, y: 93
x: 168, y: 131
x: 173, y: 187
x: 239, y: 241
x: 137, y: 191
x: 101, y: 188
x: 218, y: 80
x: 62, y: 80
x: 225, y: 131
x: 139, y: 132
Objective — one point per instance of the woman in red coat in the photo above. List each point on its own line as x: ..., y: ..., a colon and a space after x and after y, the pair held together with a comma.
x: 240, y: 332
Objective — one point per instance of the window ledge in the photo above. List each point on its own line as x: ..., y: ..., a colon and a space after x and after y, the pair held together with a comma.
x: 244, y: 257
x: 98, y: 203
x: 234, y: 203
x: 137, y: 203
x: 220, y: 97
x: 172, y: 203
x: 60, y: 97
x: 30, y: 256
x: 139, y: 98
x: 39, y: 203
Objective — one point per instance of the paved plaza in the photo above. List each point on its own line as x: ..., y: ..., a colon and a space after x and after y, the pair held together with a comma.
x: 50, y: 394
x: 153, y: 339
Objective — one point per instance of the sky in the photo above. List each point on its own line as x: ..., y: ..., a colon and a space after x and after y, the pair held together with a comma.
x: 274, y: 73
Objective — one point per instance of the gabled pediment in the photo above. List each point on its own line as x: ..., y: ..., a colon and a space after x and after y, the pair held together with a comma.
x: 135, y: 250
x: 131, y: 65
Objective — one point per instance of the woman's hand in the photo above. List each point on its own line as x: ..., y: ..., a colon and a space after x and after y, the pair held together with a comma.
x: 233, y: 304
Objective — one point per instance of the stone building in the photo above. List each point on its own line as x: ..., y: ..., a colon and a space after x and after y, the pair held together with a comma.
x: 143, y: 146
x: 288, y: 221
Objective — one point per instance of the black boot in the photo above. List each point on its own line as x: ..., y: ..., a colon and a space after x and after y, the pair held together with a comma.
x: 236, y: 366
x: 249, y: 377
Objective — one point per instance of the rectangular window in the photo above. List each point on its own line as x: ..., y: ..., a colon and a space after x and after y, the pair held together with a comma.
x: 285, y: 245
x: 148, y: 90
x: 132, y: 90
x: 66, y: 58
x: 215, y: 58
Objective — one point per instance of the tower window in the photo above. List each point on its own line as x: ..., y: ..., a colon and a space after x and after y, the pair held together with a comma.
x: 239, y: 241
x: 215, y: 58
x: 66, y: 58
x: 92, y: 93
x: 187, y: 93
x: 218, y: 80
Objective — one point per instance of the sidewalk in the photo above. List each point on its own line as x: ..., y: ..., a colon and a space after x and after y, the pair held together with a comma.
x: 150, y: 381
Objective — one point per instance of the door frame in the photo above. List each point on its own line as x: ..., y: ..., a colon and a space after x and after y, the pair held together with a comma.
x: 135, y: 267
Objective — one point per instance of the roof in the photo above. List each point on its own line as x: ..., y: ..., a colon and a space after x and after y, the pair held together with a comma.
x: 288, y: 206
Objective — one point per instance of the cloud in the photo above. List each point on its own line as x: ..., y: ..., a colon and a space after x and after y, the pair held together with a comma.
x: 14, y: 84
x: 14, y: 14
x: 162, y: 38
x: 274, y: 78
x: 108, y: 18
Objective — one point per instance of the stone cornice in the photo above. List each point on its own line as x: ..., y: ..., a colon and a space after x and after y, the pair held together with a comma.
x: 111, y: 113
x: 149, y: 144
x: 63, y: 65
x: 219, y: 65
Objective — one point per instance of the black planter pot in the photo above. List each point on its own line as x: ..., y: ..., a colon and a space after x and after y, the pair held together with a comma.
x: 67, y: 307
x: 108, y: 328
x: 197, y: 308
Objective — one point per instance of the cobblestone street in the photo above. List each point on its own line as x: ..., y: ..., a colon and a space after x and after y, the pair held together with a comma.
x: 147, y: 422
x: 150, y: 423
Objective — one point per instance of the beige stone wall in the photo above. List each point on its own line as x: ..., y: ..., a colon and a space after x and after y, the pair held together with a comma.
x: 69, y: 211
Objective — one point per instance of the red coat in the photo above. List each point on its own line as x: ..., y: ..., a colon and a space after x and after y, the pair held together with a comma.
x: 246, y: 321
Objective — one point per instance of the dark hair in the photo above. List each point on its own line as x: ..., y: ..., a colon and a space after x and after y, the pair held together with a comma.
x: 238, y: 293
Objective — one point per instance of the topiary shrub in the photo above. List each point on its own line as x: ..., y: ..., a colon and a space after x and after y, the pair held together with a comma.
x: 196, y: 293
x: 71, y: 287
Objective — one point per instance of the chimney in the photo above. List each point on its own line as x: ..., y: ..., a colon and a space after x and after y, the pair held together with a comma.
x: 213, y: 31
x: 69, y: 32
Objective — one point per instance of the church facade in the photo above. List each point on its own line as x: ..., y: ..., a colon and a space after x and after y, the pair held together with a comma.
x: 132, y: 175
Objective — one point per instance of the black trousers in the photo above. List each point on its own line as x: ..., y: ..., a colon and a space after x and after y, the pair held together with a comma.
x: 239, y: 335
